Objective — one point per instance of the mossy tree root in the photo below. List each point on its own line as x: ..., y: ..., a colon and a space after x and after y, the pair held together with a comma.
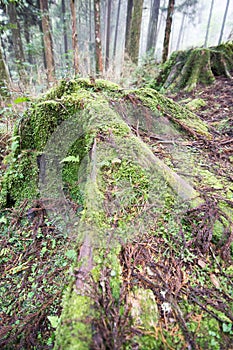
x: 187, y: 69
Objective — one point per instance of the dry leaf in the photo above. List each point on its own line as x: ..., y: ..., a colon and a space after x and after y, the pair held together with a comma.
x: 201, y: 263
x: 215, y: 280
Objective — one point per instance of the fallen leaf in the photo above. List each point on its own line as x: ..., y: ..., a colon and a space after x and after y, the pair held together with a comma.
x: 215, y: 280
x: 201, y: 263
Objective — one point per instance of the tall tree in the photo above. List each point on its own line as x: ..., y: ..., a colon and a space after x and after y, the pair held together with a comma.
x: 152, y: 29
x: 4, y: 78
x: 16, y: 38
x: 98, y: 45
x: 180, y: 31
x: 134, y: 30
x: 74, y: 35
x: 224, y: 22
x: 170, y: 11
x: 48, y: 43
x: 230, y: 36
x: 208, y: 24
x: 64, y: 26
x: 108, y: 34
x: 188, y: 9
x: 117, y: 27
x: 128, y: 25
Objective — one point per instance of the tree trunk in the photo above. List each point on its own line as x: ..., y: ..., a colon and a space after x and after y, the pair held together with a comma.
x: 17, y: 41
x: 134, y: 31
x: 4, y: 78
x: 208, y: 25
x: 98, y: 45
x: 74, y: 35
x: 181, y: 31
x: 187, y: 69
x: 230, y: 36
x: 42, y: 37
x: 63, y: 7
x: 128, y: 25
x: 48, y: 43
x: 152, y: 30
x: 224, y: 22
x: 168, y: 27
x: 108, y: 34
x: 27, y: 36
x: 116, y: 29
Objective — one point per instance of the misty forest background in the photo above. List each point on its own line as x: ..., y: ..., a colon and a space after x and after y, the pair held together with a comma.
x: 46, y: 40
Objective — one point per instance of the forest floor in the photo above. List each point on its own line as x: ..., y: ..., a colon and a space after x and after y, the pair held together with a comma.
x: 214, y: 105
x: 35, y: 263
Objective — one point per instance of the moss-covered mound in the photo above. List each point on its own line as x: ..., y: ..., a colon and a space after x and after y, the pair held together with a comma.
x: 121, y: 173
x: 187, y: 69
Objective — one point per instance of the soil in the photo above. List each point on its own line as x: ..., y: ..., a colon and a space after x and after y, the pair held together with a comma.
x: 219, y: 105
x: 218, y: 114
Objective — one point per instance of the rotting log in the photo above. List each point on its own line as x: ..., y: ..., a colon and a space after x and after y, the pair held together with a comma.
x: 88, y: 142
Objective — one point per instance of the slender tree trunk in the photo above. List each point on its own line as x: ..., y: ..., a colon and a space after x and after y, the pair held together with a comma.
x: 74, y: 35
x: 16, y: 39
x: 208, y: 25
x: 161, y: 18
x: 4, y: 77
x: 180, y: 32
x: 42, y: 38
x: 48, y: 43
x: 116, y: 30
x: 108, y: 34
x: 168, y: 27
x: 230, y: 36
x: 152, y: 30
x: 91, y: 47
x: 98, y: 45
x: 63, y: 9
x: 128, y: 25
x: 223, y: 22
x: 28, y: 39
x: 135, y: 28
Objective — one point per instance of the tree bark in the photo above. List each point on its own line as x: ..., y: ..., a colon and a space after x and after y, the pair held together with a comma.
x: 116, y: 29
x: 17, y: 41
x: 223, y: 22
x: 134, y: 31
x: 27, y: 36
x: 63, y: 8
x: 152, y: 30
x: 168, y: 27
x: 108, y: 34
x: 187, y: 69
x: 98, y: 45
x: 181, y: 31
x: 48, y: 43
x: 128, y: 25
x: 4, y: 78
x: 208, y: 25
x: 74, y: 35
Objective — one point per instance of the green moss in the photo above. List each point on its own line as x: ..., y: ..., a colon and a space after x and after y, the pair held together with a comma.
x: 187, y: 69
x: 115, y: 179
x: 156, y: 102
x: 197, y: 69
x: 74, y: 331
x: 196, y: 104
